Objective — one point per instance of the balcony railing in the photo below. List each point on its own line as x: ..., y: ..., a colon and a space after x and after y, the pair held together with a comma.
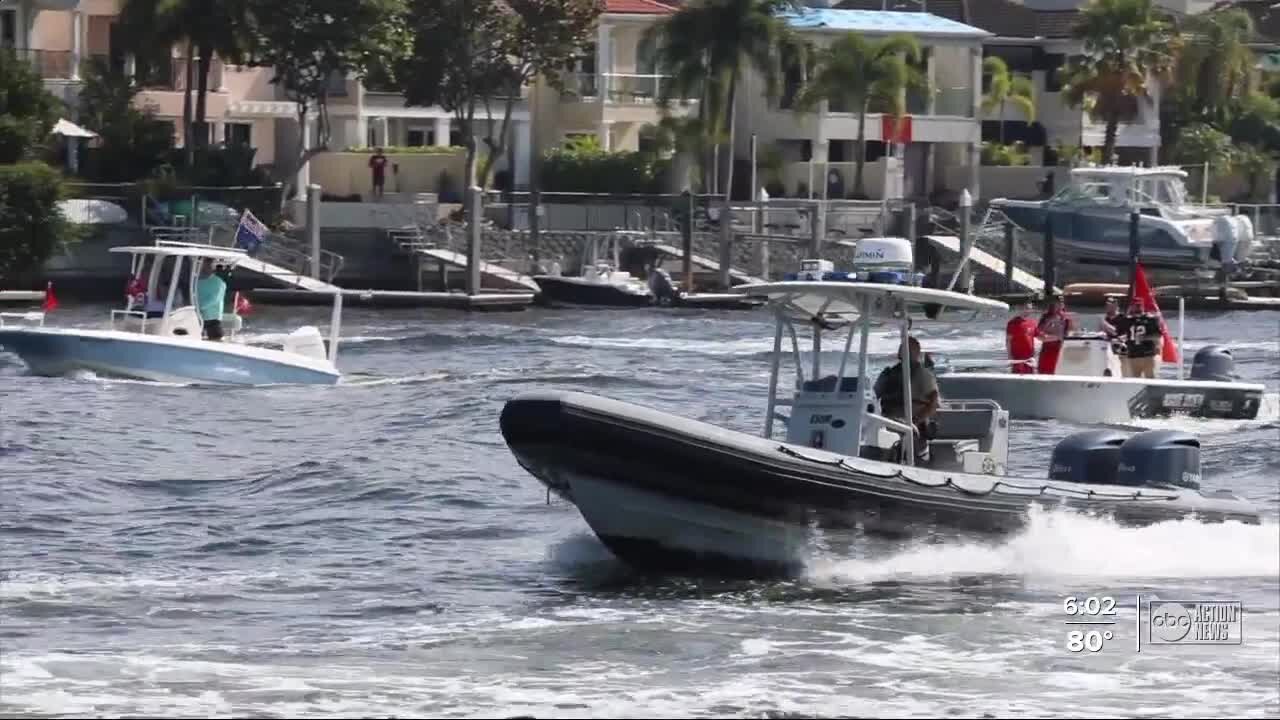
x: 619, y: 88
x: 171, y: 74
x: 50, y: 64
x: 954, y: 102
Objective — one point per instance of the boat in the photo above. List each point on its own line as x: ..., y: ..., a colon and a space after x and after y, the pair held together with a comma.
x: 164, y: 340
x: 669, y: 493
x: 600, y: 283
x: 1091, y: 216
x: 1088, y: 387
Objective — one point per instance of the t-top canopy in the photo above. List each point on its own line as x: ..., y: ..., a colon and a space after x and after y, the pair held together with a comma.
x: 228, y: 255
x: 843, y: 300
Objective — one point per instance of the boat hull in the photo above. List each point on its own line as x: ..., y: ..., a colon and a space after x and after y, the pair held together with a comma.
x: 1103, y: 399
x: 57, y: 352
x: 577, y: 292
x: 666, y: 492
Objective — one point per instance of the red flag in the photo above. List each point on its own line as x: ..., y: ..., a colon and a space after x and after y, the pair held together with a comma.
x: 50, y: 300
x: 242, y: 306
x: 1142, y: 291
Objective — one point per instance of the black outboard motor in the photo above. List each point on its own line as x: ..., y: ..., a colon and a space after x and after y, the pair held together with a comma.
x: 1213, y: 362
x: 664, y: 291
x: 1087, y: 457
x: 1160, y: 457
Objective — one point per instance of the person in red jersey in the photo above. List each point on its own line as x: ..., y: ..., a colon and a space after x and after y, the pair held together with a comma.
x: 1054, y: 326
x: 1020, y: 340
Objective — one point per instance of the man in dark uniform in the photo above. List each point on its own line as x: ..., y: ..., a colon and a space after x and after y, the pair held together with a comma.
x: 1140, y: 332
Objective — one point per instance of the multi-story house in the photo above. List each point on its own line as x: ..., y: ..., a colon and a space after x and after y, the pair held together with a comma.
x: 817, y: 147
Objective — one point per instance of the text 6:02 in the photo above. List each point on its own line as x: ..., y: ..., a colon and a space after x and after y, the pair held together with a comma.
x: 1091, y: 605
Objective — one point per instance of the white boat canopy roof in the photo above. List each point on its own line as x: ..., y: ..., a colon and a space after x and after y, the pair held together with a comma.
x: 844, y: 300
x: 230, y: 255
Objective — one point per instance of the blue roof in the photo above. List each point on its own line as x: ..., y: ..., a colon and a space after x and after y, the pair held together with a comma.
x: 884, y: 22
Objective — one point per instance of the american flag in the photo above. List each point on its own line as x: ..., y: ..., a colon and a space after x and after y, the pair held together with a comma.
x: 250, y: 233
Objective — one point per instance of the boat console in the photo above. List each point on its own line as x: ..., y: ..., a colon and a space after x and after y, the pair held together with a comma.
x: 1088, y: 355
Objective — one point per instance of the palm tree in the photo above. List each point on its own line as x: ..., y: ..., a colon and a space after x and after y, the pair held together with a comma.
x: 206, y: 27
x: 707, y: 46
x: 1128, y: 45
x: 865, y: 75
x: 1216, y: 63
x: 1007, y: 87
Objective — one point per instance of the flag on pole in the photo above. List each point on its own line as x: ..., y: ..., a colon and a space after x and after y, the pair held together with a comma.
x: 250, y: 233
x: 1142, y: 291
x: 50, y: 300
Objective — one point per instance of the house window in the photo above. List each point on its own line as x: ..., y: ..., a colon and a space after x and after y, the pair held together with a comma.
x: 237, y: 134
x: 9, y: 28
x: 1053, y: 73
x: 420, y: 137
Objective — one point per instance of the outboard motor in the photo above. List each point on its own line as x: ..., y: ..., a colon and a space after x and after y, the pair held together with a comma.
x: 1087, y: 457
x: 664, y: 291
x: 1160, y: 457
x: 1213, y: 362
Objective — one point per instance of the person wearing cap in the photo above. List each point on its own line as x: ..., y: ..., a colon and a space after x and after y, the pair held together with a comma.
x: 211, y: 293
x: 1054, y: 326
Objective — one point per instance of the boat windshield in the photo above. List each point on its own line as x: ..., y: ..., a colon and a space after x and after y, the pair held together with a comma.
x: 1093, y: 192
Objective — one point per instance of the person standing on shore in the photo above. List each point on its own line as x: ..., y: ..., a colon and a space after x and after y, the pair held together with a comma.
x: 378, y: 168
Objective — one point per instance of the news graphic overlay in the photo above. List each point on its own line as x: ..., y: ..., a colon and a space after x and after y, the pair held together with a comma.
x: 1195, y: 622
x: 1091, y: 622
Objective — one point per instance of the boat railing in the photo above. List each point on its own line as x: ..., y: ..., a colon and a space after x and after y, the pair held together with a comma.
x: 139, y: 314
x: 897, y: 425
x: 34, y: 316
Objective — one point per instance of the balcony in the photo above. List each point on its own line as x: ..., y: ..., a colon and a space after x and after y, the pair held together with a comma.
x: 171, y: 74
x: 619, y: 88
x: 51, y: 64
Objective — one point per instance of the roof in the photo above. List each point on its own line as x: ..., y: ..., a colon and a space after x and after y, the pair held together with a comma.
x: 638, y: 7
x: 834, y: 297
x: 882, y: 22
x: 204, y: 251
x: 1002, y: 18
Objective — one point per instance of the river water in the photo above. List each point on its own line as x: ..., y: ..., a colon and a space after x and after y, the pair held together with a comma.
x: 372, y: 549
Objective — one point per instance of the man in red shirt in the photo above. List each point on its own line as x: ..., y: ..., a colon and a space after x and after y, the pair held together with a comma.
x: 1020, y: 341
x: 378, y: 166
x: 1054, y: 326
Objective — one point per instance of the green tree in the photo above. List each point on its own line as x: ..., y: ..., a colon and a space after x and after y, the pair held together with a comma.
x: 1215, y: 63
x: 1128, y: 45
x: 866, y: 75
x: 1007, y: 87
x: 707, y: 46
x: 469, y: 55
x: 132, y: 142
x: 27, y: 111
x: 310, y: 44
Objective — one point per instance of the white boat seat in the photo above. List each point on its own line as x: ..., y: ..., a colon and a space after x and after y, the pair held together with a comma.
x: 828, y: 384
x: 954, y: 426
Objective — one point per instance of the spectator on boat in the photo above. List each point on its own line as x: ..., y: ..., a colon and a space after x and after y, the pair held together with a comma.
x: 1140, y: 332
x: 1109, y: 319
x: 1020, y: 340
x: 211, y: 295
x: 1054, y: 326
x: 924, y: 395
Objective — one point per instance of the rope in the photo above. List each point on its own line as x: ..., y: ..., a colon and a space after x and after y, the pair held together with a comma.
x: 1040, y: 490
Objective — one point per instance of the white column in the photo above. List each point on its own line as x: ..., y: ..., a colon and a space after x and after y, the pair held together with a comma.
x: 603, y: 132
x: 384, y: 134
x: 362, y: 130
x: 931, y: 73
x: 442, y: 132
x: 521, y: 147
x: 304, y: 172
x: 975, y: 170
x: 77, y: 42
x: 604, y: 60
x: 218, y: 132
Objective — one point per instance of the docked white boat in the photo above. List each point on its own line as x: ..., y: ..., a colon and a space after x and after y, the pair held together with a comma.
x: 599, y: 283
x: 667, y: 492
x: 1087, y: 387
x: 165, y: 341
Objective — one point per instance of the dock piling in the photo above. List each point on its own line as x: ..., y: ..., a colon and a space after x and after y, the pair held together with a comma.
x: 1009, y: 257
x: 313, y: 228
x: 966, y: 239
x: 475, y: 222
x: 1134, y: 249
x: 1049, y: 268
x: 686, y: 241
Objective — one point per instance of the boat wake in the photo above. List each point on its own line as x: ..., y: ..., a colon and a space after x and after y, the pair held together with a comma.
x: 1068, y: 545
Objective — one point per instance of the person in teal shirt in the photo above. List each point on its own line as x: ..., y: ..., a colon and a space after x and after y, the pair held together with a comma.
x: 211, y: 294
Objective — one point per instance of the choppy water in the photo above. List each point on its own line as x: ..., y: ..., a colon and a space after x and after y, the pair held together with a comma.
x: 373, y: 550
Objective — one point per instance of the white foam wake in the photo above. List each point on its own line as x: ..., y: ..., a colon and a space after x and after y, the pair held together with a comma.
x: 1071, y: 545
